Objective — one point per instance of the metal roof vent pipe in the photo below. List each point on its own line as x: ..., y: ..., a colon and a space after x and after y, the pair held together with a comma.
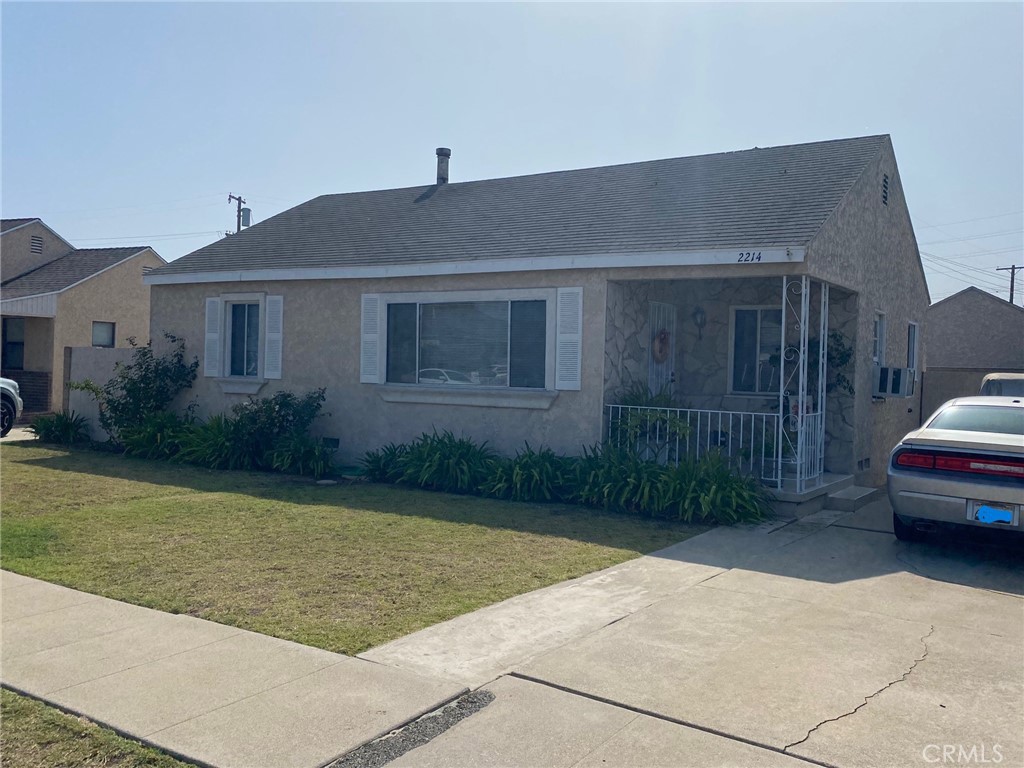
x: 443, y: 153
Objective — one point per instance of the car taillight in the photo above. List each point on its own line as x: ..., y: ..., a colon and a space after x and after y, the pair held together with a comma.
x: 911, y: 459
x: 980, y: 465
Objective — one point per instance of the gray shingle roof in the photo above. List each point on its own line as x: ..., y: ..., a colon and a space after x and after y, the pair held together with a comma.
x: 760, y: 197
x: 64, y: 272
x: 6, y: 224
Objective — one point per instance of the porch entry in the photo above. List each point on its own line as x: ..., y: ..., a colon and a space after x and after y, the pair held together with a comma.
x: 785, y: 350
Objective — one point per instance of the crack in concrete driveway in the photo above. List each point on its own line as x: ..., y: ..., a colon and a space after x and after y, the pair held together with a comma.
x: 900, y: 679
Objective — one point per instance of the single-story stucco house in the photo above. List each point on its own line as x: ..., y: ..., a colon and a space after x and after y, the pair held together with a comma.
x: 54, y: 296
x: 522, y: 309
x: 970, y: 334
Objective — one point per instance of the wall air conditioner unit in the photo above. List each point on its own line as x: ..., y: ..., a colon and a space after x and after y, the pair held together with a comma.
x: 892, y: 382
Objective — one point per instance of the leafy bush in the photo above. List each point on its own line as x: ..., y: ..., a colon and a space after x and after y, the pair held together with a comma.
x: 259, y: 424
x: 269, y: 433
x: 158, y: 436
x: 609, y: 477
x: 533, y: 475
x: 144, y: 386
x: 640, y: 395
x: 383, y: 465
x: 210, y: 444
x: 302, y: 454
x: 62, y: 427
x: 446, y: 463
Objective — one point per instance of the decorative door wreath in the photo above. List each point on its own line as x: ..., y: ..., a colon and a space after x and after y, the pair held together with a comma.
x: 660, y: 347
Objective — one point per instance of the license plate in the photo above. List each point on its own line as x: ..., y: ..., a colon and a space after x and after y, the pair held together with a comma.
x: 993, y: 513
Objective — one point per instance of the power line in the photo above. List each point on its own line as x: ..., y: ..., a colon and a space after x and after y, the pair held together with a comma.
x: 968, y: 278
x: 975, y: 237
x: 955, y: 265
x: 130, y: 207
x: 926, y: 225
x: 164, y: 236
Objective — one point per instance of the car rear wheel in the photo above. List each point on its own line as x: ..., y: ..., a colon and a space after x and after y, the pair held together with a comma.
x: 905, y: 530
x: 6, y: 418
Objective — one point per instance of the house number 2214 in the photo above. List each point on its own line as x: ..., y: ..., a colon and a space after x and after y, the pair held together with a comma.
x: 749, y: 256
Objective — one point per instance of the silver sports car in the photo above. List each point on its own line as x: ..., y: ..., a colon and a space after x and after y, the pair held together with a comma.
x: 965, y: 466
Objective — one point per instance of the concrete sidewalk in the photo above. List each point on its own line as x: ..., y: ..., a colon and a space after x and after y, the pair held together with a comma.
x: 210, y: 693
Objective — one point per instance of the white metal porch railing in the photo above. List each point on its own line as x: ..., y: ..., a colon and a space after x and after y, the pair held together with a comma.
x: 762, y: 444
x: 670, y: 435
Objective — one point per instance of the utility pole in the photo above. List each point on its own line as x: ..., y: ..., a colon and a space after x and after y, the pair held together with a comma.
x: 238, y: 217
x: 1013, y: 275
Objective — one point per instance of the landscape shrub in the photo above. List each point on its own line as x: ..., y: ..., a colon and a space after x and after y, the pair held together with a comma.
x: 608, y: 477
x: 443, y: 462
x: 533, y: 475
x: 61, y: 427
x: 382, y: 465
x: 158, y: 436
x: 145, y: 385
x: 269, y: 433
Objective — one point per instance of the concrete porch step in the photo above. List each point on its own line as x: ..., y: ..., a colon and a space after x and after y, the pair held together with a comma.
x: 853, y: 497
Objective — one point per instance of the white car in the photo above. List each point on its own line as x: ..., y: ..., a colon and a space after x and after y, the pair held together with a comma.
x: 10, y: 405
x: 965, y: 466
x: 443, y: 376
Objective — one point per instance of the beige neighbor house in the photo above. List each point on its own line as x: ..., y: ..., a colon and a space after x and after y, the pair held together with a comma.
x: 970, y: 334
x: 55, y: 296
x: 521, y: 309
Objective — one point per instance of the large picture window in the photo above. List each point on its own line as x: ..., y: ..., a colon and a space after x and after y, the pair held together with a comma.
x: 468, y: 343
x: 756, y: 347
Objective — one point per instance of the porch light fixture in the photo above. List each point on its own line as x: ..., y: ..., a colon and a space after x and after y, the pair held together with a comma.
x: 700, y: 319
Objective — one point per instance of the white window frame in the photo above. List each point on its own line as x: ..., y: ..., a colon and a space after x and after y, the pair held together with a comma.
x: 732, y: 350
x: 878, y: 339
x: 268, y: 338
x: 228, y: 300
x: 113, y: 334
x: 912, y: 359
x: 548, y: 295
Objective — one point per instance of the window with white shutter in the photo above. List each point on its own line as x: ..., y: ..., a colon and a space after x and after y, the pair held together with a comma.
x: 569, y: 340
x: 212, y: 348
x: 369, y: 349
x: 273, y: 343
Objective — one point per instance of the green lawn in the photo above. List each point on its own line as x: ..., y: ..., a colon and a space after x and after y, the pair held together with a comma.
x: 342, y: 567
x: 35, y: 735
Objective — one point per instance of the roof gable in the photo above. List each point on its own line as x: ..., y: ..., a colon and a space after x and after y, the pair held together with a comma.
x: 951, y: 303
x: 753, y: 198
x: 67, y: 271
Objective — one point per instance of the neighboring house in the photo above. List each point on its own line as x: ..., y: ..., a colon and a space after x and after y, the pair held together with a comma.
x: 53, y: 296
x: 969, y: 334
x: 519, y: 309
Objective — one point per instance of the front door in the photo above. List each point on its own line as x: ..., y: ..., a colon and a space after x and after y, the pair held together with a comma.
x: 661, y: 371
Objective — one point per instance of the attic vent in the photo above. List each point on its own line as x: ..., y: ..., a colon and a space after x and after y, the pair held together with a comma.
x: 885, y: 189
x: 37, y: 244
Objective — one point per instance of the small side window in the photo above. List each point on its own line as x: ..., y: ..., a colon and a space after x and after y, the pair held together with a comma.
x: 102, y: 334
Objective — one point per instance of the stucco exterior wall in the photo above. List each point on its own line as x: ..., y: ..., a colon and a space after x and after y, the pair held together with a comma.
x: 942, y: 384
x: 16, y: 257
x: 118, y: 296
x: 974, y: 329
x: 870, y: 248
x: 322, y: 349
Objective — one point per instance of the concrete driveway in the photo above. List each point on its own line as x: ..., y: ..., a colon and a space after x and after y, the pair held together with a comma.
x: 821, y: 641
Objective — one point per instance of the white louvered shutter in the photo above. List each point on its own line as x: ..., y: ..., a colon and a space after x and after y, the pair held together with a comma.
x: 569, y: 339
x: 212, y: 347
x: 369, y: 348
x: 274, y: 337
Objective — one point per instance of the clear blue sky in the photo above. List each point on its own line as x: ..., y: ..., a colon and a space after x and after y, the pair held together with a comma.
x: 130, y: 123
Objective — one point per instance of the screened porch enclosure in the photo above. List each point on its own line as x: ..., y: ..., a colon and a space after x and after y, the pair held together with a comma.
x: 734, y: 366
